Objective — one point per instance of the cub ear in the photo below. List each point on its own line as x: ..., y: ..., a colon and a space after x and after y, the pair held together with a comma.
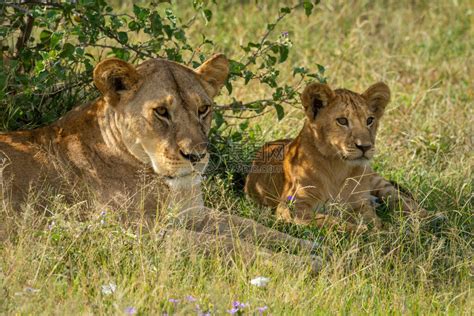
x: 213, y: 73
x: 114, y: 75
x: 316, y: 96
x: 377, y: 96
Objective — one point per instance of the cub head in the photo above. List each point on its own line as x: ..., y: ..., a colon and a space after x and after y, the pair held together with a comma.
x: 344, y: 123
x: 161, y: 111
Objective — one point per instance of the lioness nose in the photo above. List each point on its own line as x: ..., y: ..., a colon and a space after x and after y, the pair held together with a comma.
x: 192, y: 157
x: 363, y: 147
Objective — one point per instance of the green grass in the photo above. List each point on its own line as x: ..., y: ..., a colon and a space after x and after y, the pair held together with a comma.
x: 424, y: 52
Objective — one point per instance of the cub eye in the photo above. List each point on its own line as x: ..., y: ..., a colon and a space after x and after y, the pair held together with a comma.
x: 370, y: 120
x: 342, y: 121
x: 203, y: 109
x: 161, y: 112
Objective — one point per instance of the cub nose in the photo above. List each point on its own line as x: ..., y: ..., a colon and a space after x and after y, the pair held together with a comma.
x: 192, y: 157
x: 363, y: 147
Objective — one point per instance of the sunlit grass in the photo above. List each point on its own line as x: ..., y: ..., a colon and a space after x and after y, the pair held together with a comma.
x: 423, y: 51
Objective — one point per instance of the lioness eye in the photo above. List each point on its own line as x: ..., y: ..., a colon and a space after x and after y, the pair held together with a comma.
x: 370, y: 120
x: 342, y: 121
x: 162, y: 112
x: 203, y: 109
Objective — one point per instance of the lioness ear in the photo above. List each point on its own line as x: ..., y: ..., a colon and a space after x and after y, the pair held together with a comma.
x: 213, y: 73
x: 316, y: 96
x: 114, y: 75
x: 377, y: 96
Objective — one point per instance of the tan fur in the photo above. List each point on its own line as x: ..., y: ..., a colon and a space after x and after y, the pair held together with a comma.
x: 143, y: 142
x: 327, y: 164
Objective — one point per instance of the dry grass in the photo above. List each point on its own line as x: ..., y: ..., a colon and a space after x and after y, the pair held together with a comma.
x: 424, y: 51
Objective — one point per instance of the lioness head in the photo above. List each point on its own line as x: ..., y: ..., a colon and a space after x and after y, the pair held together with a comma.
x: 161, y: 111
x: 343, y: 122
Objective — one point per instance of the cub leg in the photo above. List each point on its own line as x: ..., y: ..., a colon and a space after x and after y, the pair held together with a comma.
x: 363, y: 206
x: 396, y: 199
x: 304, y: 208
x: 302, y: 213
x: 217, y: 223
x: 369, y: 216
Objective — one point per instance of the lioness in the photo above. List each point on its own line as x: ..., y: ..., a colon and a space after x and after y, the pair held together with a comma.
x: 143, y: 142
x: 328, y: 161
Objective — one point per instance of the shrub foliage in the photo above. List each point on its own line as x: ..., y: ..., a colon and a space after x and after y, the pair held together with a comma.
x: 49, y: 50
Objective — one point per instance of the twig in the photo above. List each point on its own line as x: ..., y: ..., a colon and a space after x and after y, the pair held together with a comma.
x: 269, y: 31
x: 247, y: 117
x: 25, y: 35
x: 32, y: 2
x: 110, y: 34
x: 242, y: 106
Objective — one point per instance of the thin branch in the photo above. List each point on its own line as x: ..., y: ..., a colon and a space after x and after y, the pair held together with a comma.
x: 247, y: 117
x: 112, y: 35
x: 19, y: 8
x: 25, y: 35
x: 269, y: 31
x: 33, y: 2
x: 190, y: 21
x: 242, y: 106
x: 119, y: 15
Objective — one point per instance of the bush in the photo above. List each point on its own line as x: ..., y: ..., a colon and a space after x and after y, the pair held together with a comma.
x: 49, y: 50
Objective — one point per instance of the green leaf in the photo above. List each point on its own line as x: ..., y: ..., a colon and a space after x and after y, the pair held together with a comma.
x: 134, y: 26
x: 79, y: 51
x: 121, y: 53
x: 55, y: 38
x: 218, y: 119
x: 321, y: 69
x: 68, y: 51
x: 244, y: 125
x: 170, y: 16
x: 299, y: 70
x: 247, y: 76
x: 140, y: 13
x: 308, y: 7
x: 277, y: 94
x: 236, y: 67
x: 270, y: 61
x: 285, y: 10
x: 228, y: 86
x: 45, y: 35
x: 280, y: 111
x: 283, y: 53
x: 122, y: 37
x: 207, y: 14
x: 156, y: 24
x: 180, y: 36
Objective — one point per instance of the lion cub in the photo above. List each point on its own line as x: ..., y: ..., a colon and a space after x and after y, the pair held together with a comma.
x: 327, y: 164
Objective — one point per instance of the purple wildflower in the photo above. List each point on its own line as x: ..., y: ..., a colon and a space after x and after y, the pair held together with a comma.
x: 237, y: 304
x: 232, y: 311
x: 51, y: 226
x: 262, y: 309
x: 290, y: 198
x: 173, y: 300
x: 130, y: 310
x: 284, y: 34
x: 103, y: 213
x: 190, y: 298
